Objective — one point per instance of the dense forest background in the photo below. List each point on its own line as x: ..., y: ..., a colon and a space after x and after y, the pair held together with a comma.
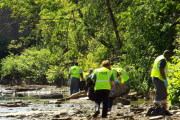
x: 53, y: 34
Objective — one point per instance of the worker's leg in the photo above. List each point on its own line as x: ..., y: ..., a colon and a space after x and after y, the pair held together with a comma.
x: 98, y: 100
x: 72, y: 85
x: 159, y: 91
x: 76, y: 85
x: 105, y: 102
x: 164, y: 97
x: 110, y: 102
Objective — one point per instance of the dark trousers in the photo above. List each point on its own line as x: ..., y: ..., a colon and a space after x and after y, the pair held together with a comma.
x: 110, y: 102
x: 102, y: 96
x: 74, y: 87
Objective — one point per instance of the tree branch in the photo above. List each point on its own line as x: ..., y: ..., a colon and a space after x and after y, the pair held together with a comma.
x: 62, y: 18
x: 114, y: 24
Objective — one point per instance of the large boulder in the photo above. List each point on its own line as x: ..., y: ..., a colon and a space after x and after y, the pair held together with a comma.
x: 121, y: 89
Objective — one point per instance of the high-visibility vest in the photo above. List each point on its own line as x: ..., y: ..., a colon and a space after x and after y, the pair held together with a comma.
x: 124, y: 75
x: 102, y: 79
x: 114, y: 70
x: 75, y: 71
x: 156, y: 71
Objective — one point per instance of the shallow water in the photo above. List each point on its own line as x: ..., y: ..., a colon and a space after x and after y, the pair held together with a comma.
x: 29, y: 97
x: 141, y: 101
x: 38, y: 104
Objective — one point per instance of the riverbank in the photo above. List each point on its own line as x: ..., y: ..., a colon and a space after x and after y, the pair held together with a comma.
x: 81, y: 108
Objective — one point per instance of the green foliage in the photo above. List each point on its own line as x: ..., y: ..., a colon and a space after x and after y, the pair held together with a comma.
x: 65, y: 31
x: 174, y: 82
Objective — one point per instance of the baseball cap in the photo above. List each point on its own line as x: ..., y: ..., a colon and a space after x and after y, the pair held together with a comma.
x: 127, y: 68
x: 90, y: 69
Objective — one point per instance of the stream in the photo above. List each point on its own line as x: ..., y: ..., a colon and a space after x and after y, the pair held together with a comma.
x: 38, y: 109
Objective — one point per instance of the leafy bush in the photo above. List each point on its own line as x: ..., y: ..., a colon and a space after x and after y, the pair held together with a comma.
x: 174, y: 80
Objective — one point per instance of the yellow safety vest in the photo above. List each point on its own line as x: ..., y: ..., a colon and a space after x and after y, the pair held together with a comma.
x: 103, y: 79
x: 75, y: 71
x: 114, y: 70
x: 124, y: 75
x: 156, y: 71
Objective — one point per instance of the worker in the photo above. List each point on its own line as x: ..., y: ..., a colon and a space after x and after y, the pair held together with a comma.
x: 159, y: 79
x: 124, y: 77
x: 112, y: 92
x: 88, y: 74
x: 103, y: 79
x: 74, y: 78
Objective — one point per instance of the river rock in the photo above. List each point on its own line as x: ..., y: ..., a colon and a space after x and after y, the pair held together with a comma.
x: 63, y: 118
x: 121, y: 100
x: 49, y: 96
x: 174, y: 107
x: 156, y: 118
x: 121, y: 89
x: 19, y: 95
x: 58, y: 105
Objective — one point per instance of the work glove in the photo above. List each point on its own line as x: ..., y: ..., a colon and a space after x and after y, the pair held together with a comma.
x: 69, y: 80
x: 116, y: 81
x: 166, y: 82
x: 83, y: 80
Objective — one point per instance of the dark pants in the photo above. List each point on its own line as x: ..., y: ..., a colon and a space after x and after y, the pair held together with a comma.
x: 160, y: 91
x: 102, y: 96
x: 110, y: 102
x: 74, y: 88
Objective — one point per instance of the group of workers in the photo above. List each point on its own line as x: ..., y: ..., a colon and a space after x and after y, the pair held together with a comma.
x: 106, y: 77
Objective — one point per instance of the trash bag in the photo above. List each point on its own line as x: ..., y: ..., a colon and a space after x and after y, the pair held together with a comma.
x: 91, y: 94
x: 82, y: 85
x: 89, y: 78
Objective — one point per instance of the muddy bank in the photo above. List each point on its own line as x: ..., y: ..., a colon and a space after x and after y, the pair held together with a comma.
x: 81, y: 108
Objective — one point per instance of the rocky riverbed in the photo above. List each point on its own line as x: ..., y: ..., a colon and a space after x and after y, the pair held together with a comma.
x: 49, y: 108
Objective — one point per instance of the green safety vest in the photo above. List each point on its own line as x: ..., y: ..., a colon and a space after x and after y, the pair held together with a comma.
x: 124, y: 75
x: 156, y: 71
x: 75, y: 71
x: 103, y: 79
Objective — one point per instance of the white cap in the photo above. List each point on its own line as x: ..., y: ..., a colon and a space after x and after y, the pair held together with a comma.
x: 90, y: 69
x: 127, y: 68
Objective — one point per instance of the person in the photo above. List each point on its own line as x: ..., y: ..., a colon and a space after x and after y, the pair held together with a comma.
x: 159, y: 79
x: 112, y: 92
x: 88, y: 74
x: 103, y: 79
x: 124, y: 77
x: 74, y: 78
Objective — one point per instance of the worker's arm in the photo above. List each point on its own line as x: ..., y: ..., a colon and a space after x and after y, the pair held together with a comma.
x: 162, y: 65
x: 93, y: 78
x: 69, y: 76
x: 112, y: 80
x: 162, y: 73
x: 81, y: 74
x: 119, y: 77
